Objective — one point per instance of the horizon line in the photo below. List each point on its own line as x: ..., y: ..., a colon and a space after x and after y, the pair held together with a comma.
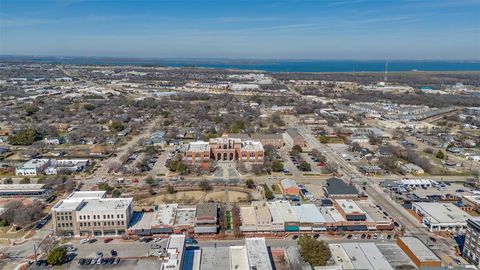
x: 236, y: 58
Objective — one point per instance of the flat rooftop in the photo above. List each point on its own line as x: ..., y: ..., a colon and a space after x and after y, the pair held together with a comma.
x: 145, y: 222
x: 165, y: 215
x: 443, y: 212
x: 257, y: 253
x: 418, y: 248
x: 175, y: 251
x: 286, y: 211
x: 22, y: 187
x: 198, y: 146
x: 185, y: 216
x: 330, y: 214
x: 349, y: 206
x: 252, y: 146
x: 308, y: 213
x: 373, y: 213
x: 238, y: 258
x: 35, y: 163
x: 366, y: 256
x: 340, y: 256
x: 215, y: 258
x: 275, y: 213
x: 247, y: 215
x: 110, y: 204
x: 67, y: 205
x: 87, y: 195
x: 206, y: 210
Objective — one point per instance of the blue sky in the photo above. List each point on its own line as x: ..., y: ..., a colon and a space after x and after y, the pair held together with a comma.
x: 355, y: 29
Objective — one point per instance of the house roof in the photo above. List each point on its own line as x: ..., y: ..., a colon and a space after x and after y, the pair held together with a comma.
x: 336, y: 186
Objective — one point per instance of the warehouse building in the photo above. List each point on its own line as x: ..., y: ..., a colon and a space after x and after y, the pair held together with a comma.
x: 359, y: 256
x: 442, y: 216
x: 420, y: 254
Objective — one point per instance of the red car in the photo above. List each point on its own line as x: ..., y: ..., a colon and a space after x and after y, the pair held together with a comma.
x: 135, y: 181
x: 106, y: 240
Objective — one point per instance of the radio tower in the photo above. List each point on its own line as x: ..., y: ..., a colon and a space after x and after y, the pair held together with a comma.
x: 386, y: 72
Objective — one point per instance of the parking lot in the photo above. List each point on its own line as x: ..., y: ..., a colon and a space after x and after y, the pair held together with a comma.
x: 127, y: 264
x: 124, y: 248
x: 452, y: 189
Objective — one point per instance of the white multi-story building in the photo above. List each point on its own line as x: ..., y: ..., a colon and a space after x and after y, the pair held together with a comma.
x: 90, y: 213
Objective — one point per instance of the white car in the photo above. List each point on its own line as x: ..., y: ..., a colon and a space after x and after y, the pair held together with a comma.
x: 84, y: 241
x: 158, y: 239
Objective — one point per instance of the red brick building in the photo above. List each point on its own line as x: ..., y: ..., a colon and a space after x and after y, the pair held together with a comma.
x: 223, y: 149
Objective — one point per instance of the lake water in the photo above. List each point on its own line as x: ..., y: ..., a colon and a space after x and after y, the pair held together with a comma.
x: 270, y: 65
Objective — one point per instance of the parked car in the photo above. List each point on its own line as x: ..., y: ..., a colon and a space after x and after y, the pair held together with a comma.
x: 191, y: 241
x: 106, y: 240
x: 84, y: 241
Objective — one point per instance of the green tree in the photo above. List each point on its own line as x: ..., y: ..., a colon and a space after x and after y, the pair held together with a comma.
x: 237, y: 126
x: 57, y: 256
x: 150, y: 150
x: 117, y: 125
x: 8, y: 181
x: 304, y: 166
x: 297, y: 149
x: 25, y: 180
x: 217, y: 119
x: 249, y: 183
x: 23, y: 137
x: 89, y: 107
x: 315, y: 252
x: 323, y: 139
x: 149, y: 180
x: 116, y: 193
x: 182, y: 168
x: 31, y: 109
x: 105, y: 186
x: 268, y: 192
x: 440, y: 154
x: 277, y: 166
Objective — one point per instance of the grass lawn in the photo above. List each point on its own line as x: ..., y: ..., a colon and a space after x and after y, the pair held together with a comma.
x: 229, y: 220
x: 276, y: 189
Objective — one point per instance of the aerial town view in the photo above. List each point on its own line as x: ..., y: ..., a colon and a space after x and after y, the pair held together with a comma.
x: 229, y: 155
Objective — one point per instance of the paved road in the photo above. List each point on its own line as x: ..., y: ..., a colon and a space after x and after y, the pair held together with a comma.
x: 102, y: 171
x: 412, y: 227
